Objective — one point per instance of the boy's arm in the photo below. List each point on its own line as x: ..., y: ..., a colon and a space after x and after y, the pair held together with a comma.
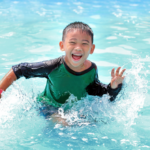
x: 37, y: 69
x: 97, y: 88
x: 7, y: 80
x: 29, y: 70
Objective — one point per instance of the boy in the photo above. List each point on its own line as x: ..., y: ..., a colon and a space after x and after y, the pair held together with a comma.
x: 69, y: 74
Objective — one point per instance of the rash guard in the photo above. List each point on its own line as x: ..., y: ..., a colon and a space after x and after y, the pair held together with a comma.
x: 62, y: 81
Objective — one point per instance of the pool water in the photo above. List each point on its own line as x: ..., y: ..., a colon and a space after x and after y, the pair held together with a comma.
x: 31, y: 30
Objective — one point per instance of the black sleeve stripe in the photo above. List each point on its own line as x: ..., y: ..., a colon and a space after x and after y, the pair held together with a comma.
x: 38, y: 69
x: 98, y: 89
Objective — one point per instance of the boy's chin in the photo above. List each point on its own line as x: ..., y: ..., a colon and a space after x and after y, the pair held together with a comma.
x: 77, y: 65
x: 76, y: 62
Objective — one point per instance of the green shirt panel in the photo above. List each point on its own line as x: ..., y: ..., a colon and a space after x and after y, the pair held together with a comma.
x: 61, y: 84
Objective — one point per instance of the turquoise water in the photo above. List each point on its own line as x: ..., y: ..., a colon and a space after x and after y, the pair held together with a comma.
x: 31, y: 30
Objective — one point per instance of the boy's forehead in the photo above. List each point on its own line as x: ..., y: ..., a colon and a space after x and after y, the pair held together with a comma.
x: 73, y: 32
x: 79, y: 31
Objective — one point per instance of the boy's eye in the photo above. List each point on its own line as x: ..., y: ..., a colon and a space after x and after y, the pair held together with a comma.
x: 72, y: 42
x: 84, y: 43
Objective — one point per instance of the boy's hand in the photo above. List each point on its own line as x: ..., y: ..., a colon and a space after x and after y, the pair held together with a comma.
x: 117, y: 77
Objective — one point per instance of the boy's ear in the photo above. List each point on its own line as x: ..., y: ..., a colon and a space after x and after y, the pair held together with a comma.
x: 61, y: 45
x: 92, y: 49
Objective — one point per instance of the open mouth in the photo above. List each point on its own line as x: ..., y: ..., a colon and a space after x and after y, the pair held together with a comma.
x: 76, y: 57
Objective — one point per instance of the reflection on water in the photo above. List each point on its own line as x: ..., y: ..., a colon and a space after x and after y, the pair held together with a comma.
x: 116, y: 50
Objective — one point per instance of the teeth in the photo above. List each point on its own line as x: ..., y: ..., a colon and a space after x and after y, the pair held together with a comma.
x: 77, y: 54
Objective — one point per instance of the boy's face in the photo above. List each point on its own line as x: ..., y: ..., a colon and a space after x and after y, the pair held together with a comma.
x: 77, y: 46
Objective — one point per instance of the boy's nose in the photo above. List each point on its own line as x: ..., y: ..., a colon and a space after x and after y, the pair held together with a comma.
x: 78, y: 49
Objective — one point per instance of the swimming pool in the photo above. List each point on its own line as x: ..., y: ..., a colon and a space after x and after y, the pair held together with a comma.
x: 30, y: 32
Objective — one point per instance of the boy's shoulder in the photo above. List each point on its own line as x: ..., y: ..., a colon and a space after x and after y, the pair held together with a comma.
x: 54, y: 61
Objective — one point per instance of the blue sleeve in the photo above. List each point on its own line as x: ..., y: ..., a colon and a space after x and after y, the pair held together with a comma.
x: 98, y: 88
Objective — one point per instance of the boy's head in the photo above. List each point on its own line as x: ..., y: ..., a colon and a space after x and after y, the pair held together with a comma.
x: 79, y: 26
x: 77, y: 42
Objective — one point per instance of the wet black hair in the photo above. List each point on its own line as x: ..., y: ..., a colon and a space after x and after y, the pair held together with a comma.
x: 78, y: 25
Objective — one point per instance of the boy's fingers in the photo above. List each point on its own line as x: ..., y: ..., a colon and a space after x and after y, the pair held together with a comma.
x: 123, y: 77
x: 122, y: 72
x: 117, y: 71
x: 112, y: 72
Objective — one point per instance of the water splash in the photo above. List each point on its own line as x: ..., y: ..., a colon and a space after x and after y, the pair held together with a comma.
x: 124, y: 110
x: 20, y: 123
